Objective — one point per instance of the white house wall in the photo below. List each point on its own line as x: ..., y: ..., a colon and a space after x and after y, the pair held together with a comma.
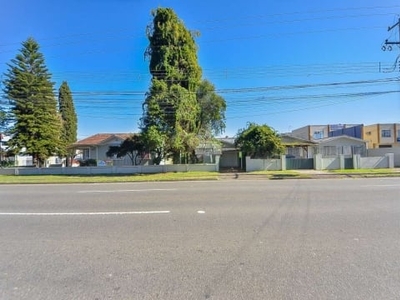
x: 343, y: 145
x: 23, y: 161
x: 99, y: 153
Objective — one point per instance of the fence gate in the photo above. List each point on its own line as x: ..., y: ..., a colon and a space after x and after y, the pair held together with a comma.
x: 348, y: 163
x: 299, y: 163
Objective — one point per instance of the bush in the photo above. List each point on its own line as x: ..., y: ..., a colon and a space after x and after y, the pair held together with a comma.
x: 6, y: 164
x: 88, y: 163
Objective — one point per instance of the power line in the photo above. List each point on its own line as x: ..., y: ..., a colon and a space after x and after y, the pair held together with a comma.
x: 84, y: 35
x: 104, y: 37
x: 248, y: 89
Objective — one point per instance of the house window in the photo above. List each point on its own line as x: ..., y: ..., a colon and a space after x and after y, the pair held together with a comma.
x: 359, y: 150
x: 29, y: 161
x: 386, y: 133
x: 293, y: 152
x: 330, y: 151
x: 86, y: 154
x: 347, y: 150
x: 318, y: 135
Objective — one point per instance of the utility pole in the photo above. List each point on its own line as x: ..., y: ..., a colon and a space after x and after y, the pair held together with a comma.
x: 388, y: 44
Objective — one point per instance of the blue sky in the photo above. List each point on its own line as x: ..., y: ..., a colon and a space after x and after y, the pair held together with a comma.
x: 282, y: 63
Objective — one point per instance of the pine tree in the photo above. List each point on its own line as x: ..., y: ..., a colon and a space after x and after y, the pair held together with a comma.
x: 69, y: 120
x: 36, y: 122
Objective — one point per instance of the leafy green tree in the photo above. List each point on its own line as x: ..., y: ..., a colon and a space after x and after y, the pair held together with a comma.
x: 133, y: 147
x: 69, y: 120
x: 156, y: 142
x: 172, y: 50
x: 36, y: 122
x: 259, y: 141
x: 212, y: 110
x: 171, y: 109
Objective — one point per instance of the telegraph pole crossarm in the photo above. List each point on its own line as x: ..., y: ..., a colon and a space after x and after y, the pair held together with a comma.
x: 389, y: 29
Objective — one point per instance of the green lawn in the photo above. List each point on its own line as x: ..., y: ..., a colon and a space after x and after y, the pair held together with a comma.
x: 281, y: 174
x: 176, y: 176
x: 12, y: 179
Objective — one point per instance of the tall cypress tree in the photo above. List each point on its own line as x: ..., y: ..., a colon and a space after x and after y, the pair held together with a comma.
x: 69, y: 119
x: 36, y: 124
x: 171, y: 109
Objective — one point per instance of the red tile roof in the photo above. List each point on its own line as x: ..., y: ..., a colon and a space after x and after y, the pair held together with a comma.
x: 99, y: 138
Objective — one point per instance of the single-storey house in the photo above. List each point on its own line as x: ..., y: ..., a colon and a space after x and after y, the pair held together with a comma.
x: 208, y: 152
x: 296, y: 147
x: 24, y: 160
x: 96, y: 147
x: 230, y: 155
x: 338, y: 145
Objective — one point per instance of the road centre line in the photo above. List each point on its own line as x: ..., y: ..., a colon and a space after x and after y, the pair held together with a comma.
x: 124, y: 191
x: 87, y: 213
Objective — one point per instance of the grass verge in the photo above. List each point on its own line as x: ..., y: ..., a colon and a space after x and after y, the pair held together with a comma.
x: 43, y: 179
x: 282, y: 174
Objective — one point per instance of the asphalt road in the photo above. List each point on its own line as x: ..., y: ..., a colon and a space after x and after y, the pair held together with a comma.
x: 282, y: 239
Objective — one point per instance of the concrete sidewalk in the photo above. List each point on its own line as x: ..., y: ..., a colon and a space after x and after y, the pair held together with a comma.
x: 307, y: 174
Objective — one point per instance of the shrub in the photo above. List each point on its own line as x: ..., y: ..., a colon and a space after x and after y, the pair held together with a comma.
x: 88, y: 163
x: 6, y: 164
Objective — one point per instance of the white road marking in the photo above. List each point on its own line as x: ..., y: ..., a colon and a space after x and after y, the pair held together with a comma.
x: 124, y: 191
x: 104, y: 213
x: 201, y: 212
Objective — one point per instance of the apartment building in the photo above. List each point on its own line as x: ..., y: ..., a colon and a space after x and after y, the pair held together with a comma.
x: 317, y: 132
x: 385, y: 135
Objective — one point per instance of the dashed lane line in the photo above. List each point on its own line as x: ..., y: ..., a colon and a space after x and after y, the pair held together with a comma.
x: 125, y: 191
x: 105, y: 213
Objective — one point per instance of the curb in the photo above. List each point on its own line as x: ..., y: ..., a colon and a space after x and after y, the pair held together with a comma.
x: 245, y: 176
